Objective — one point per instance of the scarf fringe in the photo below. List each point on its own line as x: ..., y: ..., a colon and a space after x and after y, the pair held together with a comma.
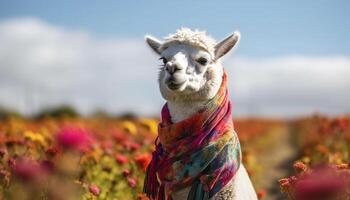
x: 151, y: 183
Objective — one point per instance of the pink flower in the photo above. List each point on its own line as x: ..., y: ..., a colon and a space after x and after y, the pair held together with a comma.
x: 29, y: 170
x: 321, y: 183
x: 70, y: 137
x: 121, y: 159
x: 94, y: 190
x: 48, y: 165
x: 132, y: 182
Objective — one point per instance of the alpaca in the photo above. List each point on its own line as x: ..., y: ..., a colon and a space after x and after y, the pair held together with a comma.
x: 190, y: 77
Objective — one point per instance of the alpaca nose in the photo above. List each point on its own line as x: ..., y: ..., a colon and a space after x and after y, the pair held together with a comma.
x: 172, y: 67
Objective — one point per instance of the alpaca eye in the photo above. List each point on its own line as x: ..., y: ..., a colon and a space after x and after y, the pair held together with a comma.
x: 202, y: 61
x: 164, y: 60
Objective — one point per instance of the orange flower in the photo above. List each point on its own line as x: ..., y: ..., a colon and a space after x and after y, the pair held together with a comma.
x: 143, y: 160
x: 142, y: 196
x: 261, y: 193
x: 299, y: 167
x: 322, y: 149
x: 343, y: 166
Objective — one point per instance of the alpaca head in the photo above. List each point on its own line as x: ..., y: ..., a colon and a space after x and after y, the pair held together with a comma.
x: 191, y: 69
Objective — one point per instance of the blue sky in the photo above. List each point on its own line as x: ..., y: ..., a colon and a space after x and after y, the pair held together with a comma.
x: 269, y: 28
x: 293, y: 58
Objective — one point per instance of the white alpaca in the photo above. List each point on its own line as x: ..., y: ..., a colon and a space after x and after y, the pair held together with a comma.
x: 191, y: 77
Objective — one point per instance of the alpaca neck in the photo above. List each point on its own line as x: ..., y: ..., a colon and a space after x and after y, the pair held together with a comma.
x: 181, y: 110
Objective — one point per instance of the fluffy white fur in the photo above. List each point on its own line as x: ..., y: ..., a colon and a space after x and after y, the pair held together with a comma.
x: 196, y: 38
x: 188, y: 84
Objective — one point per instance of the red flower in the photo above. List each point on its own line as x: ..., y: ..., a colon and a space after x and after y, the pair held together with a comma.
x: 131, y: 146
x: 299, y: 167
x: 340, y: 123
x: 52, y: 152
x: 132, y: 182
x: 284, y: 184
x: 126, y: 173
x: 11, y: 162
x: 121, y: 159
x: 261, y: 194
x: 75, y: 138
x: 119, y: 136
x: 106, y: 145
x: 94, y: 190
x: 143, y: 160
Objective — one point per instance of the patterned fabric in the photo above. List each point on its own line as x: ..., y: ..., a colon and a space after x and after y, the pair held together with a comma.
x: 201, y: 152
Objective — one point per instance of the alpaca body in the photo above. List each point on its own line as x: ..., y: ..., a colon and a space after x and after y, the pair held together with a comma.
x: 240, y: 188
x: 190, y: 78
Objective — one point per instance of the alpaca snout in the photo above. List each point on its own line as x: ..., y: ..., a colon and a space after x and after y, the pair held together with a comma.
x: 173, y: 67
x: 175, y: 80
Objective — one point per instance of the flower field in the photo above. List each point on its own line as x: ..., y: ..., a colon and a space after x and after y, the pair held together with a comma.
x: 74, y: 158
x: 322, y: 171
x: 105, y: 158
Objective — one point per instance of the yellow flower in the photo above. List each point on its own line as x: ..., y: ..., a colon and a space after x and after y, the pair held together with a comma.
x: 129, y: 127
x: 46, y: 133
x: 306, y: 159
x: 35, y: 137
x: 150, y: 124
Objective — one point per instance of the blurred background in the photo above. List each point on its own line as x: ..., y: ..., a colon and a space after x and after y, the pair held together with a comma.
x: 80, y: 104
x: 293, y: 58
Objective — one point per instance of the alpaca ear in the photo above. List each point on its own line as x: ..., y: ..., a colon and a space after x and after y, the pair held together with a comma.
x: 226, y: 44
x: 154, y: 43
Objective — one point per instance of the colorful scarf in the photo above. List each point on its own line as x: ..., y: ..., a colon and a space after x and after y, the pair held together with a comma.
x: 201, y: 152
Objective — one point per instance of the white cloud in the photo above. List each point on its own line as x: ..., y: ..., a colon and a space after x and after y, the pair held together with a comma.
x: 293, y: 85
x: 43, y: 65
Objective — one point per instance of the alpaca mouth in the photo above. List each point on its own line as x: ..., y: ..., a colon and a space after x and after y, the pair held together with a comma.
x: 175, y: 86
